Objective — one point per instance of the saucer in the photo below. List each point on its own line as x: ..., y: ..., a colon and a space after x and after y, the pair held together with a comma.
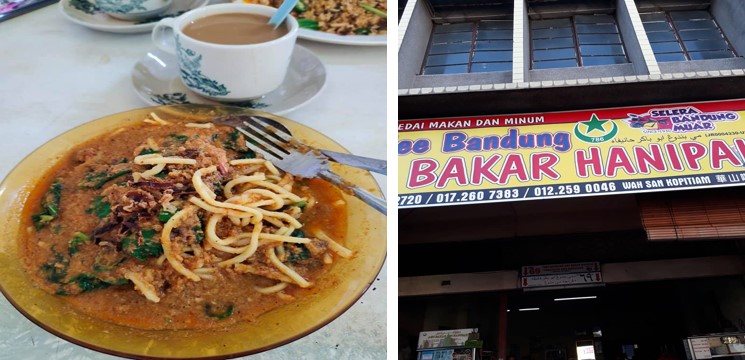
x: 85, y: 12
x: 156, y: 81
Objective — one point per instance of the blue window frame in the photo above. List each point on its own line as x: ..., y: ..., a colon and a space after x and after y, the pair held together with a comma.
x: 581, y: 40
x: 685, y: 35
x: 470, y: 47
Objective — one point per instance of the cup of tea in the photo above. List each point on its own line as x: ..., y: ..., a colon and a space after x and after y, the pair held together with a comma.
x: 229, y: 52
x: 133, y: 9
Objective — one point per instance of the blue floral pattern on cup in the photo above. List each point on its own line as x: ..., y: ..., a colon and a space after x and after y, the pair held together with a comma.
x: 85, y: 6
x: 121, y: 7
x: 179, y: 98
x: 191, y: 72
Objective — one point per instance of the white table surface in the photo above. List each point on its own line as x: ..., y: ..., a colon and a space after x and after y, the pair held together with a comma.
x: 55, y: 75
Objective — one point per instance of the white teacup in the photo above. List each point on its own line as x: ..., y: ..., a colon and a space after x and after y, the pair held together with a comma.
x: 132, y: 10
x: 227, y: 72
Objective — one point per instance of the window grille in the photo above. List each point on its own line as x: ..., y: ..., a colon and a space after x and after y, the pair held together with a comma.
x: 581, y: 40
x: 685, y: 35
x: 470, y: 47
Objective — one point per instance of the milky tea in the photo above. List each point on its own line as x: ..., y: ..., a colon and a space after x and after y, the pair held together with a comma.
x: 233, y: 29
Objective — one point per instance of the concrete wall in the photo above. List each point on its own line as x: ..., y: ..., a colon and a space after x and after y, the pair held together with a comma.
x: 586, y: 72
x: 414, y: 45
x: 521, y: 48
x: 461, y: 79
x: 613, y: 273
x: 632, y: 37
x: 730, y: 15
x: 412, y: 52
x: 701, y: 65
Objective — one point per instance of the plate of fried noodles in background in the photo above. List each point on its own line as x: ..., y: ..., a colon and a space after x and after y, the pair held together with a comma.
x: 341, y: 22
x: 155, y: 233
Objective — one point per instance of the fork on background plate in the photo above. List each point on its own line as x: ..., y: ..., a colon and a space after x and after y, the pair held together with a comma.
x: 293, y: 156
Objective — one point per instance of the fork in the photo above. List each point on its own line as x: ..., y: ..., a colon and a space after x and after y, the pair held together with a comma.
x: 297, y: 158
x: 284, y: 135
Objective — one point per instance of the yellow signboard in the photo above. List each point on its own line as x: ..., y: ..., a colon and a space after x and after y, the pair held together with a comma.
x: 580, y: 153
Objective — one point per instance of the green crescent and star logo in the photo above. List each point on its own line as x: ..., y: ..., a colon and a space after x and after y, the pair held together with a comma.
x: 595, y: 130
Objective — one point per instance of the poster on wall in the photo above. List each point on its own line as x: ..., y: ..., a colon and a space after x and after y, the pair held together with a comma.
x: 569, y: 154
x: 560, y: 275
x: 446, y: 338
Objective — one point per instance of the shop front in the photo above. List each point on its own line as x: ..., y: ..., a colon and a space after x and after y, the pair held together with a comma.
x: 606, y: 233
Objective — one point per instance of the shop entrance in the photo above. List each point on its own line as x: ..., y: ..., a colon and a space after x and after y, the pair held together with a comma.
x: 640, y: 321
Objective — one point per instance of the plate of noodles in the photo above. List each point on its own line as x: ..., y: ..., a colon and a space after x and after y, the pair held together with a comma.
x: 343, y: 22
x: 156, y: 226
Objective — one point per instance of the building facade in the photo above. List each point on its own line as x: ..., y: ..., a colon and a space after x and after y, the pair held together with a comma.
x: 502, y: 105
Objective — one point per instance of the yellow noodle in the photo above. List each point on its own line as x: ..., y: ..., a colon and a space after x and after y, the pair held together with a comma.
x: 282, y: 296
x: 154, y: 159
x: 296, y: 278
x: 165, y: 241
x: 200, y: 125
x: 217, y: 210
x: 151, y: 172
x: 247, y: 161
x: 249, y: 269
x: 202, y: 191
x: 228, y: 189
x: 283, y: 238
x: 271, y: 289
x: 249, y: 251
x: 282, y: 191
x: 144, y: 287
x: 334, y: 246
x: 272, y: 169
x: 157, y: 119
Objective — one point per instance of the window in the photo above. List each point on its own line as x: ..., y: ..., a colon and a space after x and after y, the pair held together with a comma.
x: 470, y: 47
x: 582, y: 40
x: 685, y: 35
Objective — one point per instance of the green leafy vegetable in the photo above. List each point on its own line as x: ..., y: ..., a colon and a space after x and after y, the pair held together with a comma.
x: 301, y: 204
x: 99, y: 207
x: 298, y: 233
x: 179, y: 137
x: 164, y: 216
x: 77, y: 239
x: 147, y: 151
x: 98, y: 180
x: 373, y: 10
x: 301, y: 6
x: 88, y: 282
x: 247, y: 154
x: 149, y: 247
x: 363, y: 31
x: 219, y: 314
x: 232, y: 144
x: 296, y: 252
x: 56, y: 269
x: 308, y: 24
x: 84, y: 282
x: 107, y: 261
x: 116, y: 282
x: 217, y: 188
x: 49, y: 206
x: 198, y: 233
